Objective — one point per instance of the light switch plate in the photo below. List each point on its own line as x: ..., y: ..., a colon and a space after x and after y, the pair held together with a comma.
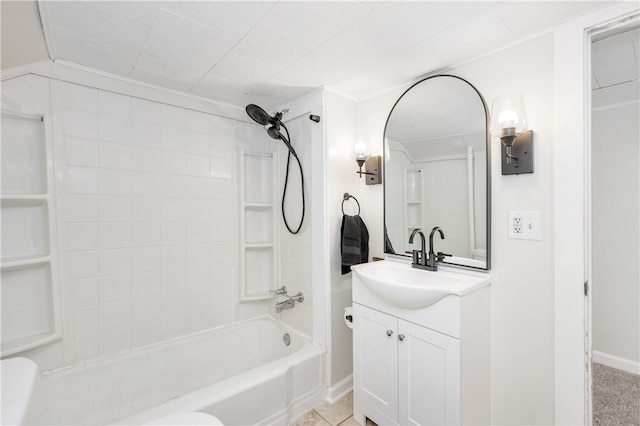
x: 525, y: 225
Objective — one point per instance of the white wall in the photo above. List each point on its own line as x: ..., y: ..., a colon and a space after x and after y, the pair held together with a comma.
x: 615, y: 226
x: 522, y: 309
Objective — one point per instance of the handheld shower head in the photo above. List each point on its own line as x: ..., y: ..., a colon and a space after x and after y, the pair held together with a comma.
x: 274, y: 132
x: 258, y: 115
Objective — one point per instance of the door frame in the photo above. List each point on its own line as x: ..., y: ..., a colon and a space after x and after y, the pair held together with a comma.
x: 571, y: 185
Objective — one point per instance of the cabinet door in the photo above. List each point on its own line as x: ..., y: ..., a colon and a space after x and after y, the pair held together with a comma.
x: 375, y: 355
x: 429, y: 376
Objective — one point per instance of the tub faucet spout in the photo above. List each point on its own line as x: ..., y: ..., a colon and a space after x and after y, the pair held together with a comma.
x: 290, y: 302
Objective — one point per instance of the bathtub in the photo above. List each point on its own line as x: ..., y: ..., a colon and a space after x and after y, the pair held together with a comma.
x: 243, y: 374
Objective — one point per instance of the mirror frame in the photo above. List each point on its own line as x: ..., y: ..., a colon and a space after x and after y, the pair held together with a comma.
x: 488, y: 175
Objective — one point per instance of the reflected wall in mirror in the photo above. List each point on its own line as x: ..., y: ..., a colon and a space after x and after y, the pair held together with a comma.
x: 437, y: 171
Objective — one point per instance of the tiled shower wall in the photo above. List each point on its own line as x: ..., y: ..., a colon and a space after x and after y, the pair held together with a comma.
x: 149, y: 216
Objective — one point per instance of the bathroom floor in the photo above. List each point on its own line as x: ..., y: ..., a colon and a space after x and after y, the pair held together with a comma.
x: 338, y: 414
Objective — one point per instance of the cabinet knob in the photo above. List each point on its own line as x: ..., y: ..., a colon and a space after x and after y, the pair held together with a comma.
x: 401, y: 337
x: 389, y: 332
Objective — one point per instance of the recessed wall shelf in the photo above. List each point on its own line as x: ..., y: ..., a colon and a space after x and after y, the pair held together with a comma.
x: 258, y: 223
x: 28, y: 271
x: 413, y: 190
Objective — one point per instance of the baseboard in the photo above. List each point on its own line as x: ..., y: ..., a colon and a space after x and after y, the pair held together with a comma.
x: 616, y: 362
x: 340, y: 389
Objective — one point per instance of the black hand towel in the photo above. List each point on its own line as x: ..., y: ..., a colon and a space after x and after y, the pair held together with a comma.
x: 354, y: 242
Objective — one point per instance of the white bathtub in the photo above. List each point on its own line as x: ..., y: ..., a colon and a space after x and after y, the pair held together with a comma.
x: 243, y: 374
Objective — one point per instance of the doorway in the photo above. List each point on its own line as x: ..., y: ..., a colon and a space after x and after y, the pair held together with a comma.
x: 615, y: 225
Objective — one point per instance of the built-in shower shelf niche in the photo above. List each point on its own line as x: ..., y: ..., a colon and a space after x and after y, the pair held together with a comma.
x: 28, y: 281
x: 258, y: 223
x: 413, y: 200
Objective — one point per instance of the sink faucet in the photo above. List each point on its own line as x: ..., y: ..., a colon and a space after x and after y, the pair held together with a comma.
x: 419, y: 256
x: 431, y: 263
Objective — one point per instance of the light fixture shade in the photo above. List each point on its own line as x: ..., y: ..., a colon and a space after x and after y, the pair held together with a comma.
x: 361, y: 148
x: 507, y: 112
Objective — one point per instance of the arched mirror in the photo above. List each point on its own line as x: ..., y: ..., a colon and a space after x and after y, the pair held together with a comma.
x: 437, y: 171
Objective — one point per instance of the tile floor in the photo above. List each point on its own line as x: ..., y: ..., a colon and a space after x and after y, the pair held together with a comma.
x: 338, y: 414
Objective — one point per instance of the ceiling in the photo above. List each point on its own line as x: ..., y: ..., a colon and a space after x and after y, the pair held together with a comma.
x: 270, y: 52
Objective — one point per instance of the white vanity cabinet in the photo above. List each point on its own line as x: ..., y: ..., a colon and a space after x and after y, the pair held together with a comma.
x: 425, y: 366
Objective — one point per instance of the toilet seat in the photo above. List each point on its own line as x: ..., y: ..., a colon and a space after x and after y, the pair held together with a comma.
x: 193, y: 418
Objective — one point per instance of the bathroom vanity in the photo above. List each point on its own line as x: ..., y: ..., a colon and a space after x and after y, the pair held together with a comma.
x: 421, y: 345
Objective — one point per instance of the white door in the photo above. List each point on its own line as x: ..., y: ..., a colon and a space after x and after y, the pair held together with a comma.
x: 429, y: 376
x: 375, y: 375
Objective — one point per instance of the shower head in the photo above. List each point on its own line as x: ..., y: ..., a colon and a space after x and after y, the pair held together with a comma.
x: 274, y: 132
x: 259, y: 115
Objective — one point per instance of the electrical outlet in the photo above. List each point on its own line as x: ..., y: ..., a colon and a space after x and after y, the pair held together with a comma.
x: 525, y: 225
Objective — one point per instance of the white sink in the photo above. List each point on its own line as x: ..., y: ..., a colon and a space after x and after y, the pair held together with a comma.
x: 405, y: 287
x: 18, y: 378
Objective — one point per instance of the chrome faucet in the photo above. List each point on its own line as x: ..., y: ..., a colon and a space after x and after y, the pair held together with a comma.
x: 291, y: 300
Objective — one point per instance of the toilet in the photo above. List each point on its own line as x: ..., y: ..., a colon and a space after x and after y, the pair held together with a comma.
x: 192, y: 418
x: 18, y: 378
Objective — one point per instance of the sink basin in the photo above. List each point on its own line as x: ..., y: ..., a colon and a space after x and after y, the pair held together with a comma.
x: 405, y: 287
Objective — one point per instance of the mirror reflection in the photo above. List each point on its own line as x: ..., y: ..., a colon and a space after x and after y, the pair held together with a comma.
x: 436, y: 170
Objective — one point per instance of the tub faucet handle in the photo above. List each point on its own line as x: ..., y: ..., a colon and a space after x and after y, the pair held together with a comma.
x: 281, y: 291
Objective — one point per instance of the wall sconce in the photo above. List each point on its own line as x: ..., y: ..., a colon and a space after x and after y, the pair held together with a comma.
x: 362, y: 155
x: 508, y: 122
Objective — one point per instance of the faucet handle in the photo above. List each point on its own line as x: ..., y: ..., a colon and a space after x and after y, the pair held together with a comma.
x: 440, y: 255
x: 416, y: 256
x: 281, y: 291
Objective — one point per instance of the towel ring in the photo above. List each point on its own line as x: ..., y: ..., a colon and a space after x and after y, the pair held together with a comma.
x: 345, y: 197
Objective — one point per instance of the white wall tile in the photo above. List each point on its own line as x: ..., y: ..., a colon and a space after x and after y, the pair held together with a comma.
x: 198, y: 143
x: 221, y: 189
x: 174, y: 163
x: 114, y: 209
x: 198, y: 187
x: 79, y: 123
x: 114, y: 155
x: 83, y: 264
x: 174, y: 116
x: 174, y: 138
x: 84, y: 292
x: 174, y: 326
x: 198, y: 276
x: 85, y: 347
x: 173, y: 233
x: 197, y: 121
x: 114, y: 235
x: 80, y: 97
x: 114, y: 182
x: 114, y: 129
x: 197, y: 321
x: 145, y: 159
x: 173, y: 209
x: 174, y: 303
x: 223, y: 274
x: 81, y: 152
x: 173, y: 186
x: 81, y: 208
x: 199, y: 254
x: 220, y: 168
x: 114, y: 288
x: 222, y: 210
x: 145, y: 184
x: 197, y: 165
x: 145, y: 234
x: 146, y: 333
x: 114, y: 314
x: 146, y: 134
x: 114, y: 104
x: 145, y: 284
x: 114, y: 261
x: 173, y: 256
x: 85, y: 320
x: 145, y: 309
x: 145, y: 209
x: 81, y: 180
x: 197, y: 209
x: 221, y: 253
x: 114, y: 340
x: 145, y: 259
x: 173, y: 280
x: 221, y: 315
x: 198, y: 299
x: 198, y: 232
x: 82, y: 236
x: 148, y: 111
x: 222, y: 231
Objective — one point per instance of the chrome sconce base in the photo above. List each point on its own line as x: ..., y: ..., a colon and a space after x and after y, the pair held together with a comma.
x: 517, y: 154
x: 371, y: 170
